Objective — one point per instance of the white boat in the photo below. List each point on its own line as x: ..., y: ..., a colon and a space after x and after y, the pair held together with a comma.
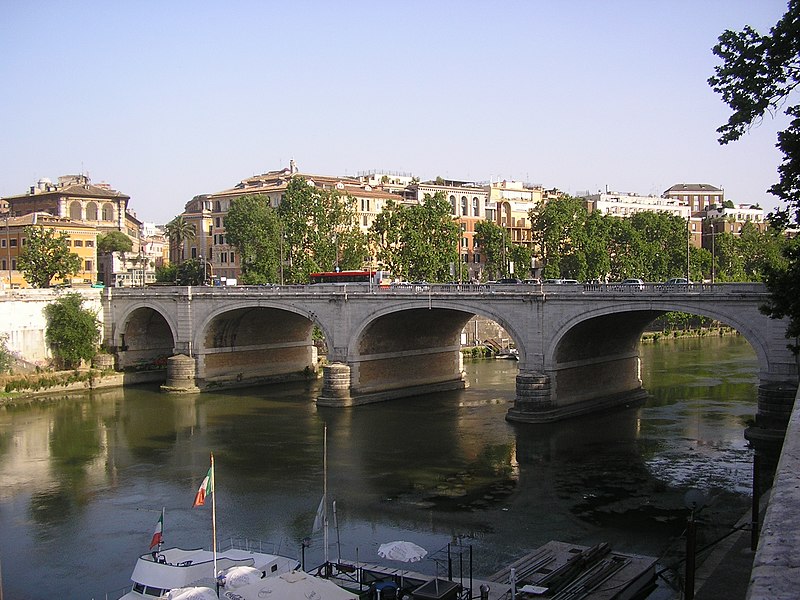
x: 156, y: 573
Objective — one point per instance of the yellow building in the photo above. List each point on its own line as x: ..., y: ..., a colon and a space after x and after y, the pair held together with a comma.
x: 81, y: 238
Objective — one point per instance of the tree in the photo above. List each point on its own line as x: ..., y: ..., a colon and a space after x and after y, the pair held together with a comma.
x: 46, y: 256
x: 492, y: 240
x: 757, y: 75
x: 178, y: 231
x: 72, y: 331
x: 6, y: 356
x: 418, y: 242
x: 784, y: 284
x: 253, y: 227
x: 191, y: 272
x: 115, y: 241
x: 558, y: 230
x: 321, y: 230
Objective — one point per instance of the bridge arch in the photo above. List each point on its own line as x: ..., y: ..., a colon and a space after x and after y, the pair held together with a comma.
x: 144, y: 332
x: 243, y: 343
x: 414, y: 345
x: 628, y: 322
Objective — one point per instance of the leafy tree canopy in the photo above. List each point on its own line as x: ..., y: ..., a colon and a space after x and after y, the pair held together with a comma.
x: 758, y: 75
x: 321, y: 231
x: 115, y: 241
x: 73, y: 331
x: 253, y: 227
x: 46, y: 256
x: 418, y: 242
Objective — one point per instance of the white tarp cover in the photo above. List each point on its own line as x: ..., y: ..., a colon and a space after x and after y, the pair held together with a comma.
x: 402, y: 551
x: 236, y: 577
x: 192, y: 593
x: 295, y: 585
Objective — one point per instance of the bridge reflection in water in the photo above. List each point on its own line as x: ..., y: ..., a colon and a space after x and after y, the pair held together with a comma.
x: 434, y: 469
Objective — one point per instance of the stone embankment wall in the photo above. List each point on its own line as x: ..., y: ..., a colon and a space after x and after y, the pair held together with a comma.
x: 776, y: 567
x: 24, y: 322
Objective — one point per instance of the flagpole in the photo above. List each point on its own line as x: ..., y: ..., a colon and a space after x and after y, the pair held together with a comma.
x: 325, y: 489
x: 161, y: 539
x: 214, y: 514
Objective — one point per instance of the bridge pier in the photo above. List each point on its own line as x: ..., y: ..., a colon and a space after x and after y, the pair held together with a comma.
x: 775, y: 403
x: 335, y: 386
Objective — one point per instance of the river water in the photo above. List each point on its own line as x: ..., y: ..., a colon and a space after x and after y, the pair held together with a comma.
x: 84, y: 478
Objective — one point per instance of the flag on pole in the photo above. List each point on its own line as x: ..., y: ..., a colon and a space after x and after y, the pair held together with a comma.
x: 158, y: 534
x: 206, y: 489
x: 319, y: 520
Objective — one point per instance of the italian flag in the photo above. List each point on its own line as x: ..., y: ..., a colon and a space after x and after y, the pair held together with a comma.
x: 206, y: 488
x: 158, y: 534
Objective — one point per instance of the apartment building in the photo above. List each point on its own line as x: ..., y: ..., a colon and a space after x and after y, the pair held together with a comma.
x: 207, y: 212
x: 81, y: 239
x: 469, y: 202
x: 697, y: 196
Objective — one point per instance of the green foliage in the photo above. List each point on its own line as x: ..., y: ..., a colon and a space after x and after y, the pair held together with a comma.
x: 495, y: 247
x: 6, y: 357
x: 757, y: 75
x: 418, y: 242
x: 179, y: 230
x: 73, y: 332
x: 167, y: 273
x: 46, y: 256
x: 576, y: 244
x: 321, y: 231
x: 191, y: 272
x: 114, y: 241
x: 253, y: 227
x: 783, y: 283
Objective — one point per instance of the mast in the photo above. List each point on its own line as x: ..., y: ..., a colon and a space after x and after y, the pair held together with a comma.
x: 214, y: 514
x: 325, y: 490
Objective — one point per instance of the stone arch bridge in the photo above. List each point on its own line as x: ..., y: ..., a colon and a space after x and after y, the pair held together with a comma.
x: 578, y: 344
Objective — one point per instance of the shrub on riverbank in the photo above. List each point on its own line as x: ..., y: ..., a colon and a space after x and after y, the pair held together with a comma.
x: 44, y: 381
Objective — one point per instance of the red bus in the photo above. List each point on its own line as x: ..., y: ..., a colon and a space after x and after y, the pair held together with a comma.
x: 376, y: 277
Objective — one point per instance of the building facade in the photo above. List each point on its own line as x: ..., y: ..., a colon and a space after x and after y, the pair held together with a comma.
x: 81, y: 239
x: 207, y: 212
x: 697, y: 196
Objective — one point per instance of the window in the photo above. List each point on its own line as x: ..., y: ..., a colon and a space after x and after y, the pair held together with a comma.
x: 452, y: 205
x: 77, y: 243
x: 13, y: 264
x: 216, y: 221
x: 91, y: 211
x: 476, y: 258
x: 464, y: 212
x: 3, y: 243
x: 232, y: 259
x: 87, y: 266
x: 476, y: 207
x: 365, y: 221
x: 75, y: 211
x: 194, y: 252
x: 108, y: 212
x: 90, y: 243
x: 223, y: 257
x: 464, y: 242
x: 3, y: 266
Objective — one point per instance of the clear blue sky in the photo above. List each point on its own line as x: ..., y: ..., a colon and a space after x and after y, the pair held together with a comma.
x: 165, y: 100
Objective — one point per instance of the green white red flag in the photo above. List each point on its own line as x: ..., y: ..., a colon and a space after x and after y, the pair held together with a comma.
x: 158, y: 534
x: 206, y: 488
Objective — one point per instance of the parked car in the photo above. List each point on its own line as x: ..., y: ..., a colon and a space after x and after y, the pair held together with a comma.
x: 677, y: 281
x: 531, y: 281
x: 633, y: 283
x: 553, y: 281
x: 509, y: 281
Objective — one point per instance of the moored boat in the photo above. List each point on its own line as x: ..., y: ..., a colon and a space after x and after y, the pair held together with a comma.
x: 156, y: 573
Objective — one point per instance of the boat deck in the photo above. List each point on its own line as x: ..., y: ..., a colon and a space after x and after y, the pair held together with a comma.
x: 554, y: 571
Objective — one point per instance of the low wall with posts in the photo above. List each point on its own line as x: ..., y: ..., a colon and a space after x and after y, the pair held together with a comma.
x: 776, y: 567
x: 25, y: 324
